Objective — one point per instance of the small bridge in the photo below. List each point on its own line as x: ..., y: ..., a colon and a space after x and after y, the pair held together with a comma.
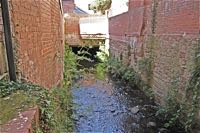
x: 93, y: 32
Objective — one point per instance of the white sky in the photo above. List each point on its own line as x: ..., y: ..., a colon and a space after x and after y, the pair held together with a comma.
x: 83, y: 4
x: 118, y: 6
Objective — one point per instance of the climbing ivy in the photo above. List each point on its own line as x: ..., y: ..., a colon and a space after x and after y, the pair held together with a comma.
x: 146, y: 64
x: 154, y: 14
x: 193, y: 91
x: 184, y: 110
x: 176, y: 110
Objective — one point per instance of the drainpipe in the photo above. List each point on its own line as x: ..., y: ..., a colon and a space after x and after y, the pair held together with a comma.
x: 8, y: 39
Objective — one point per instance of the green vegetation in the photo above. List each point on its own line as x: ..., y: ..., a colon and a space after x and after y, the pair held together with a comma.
x: 101, y: 67
x: 127, y: 74
x: 154, y: 16
x: 145, y: 66
x: 100, y: 71
x: 186, y: 108
x: 175, y: 110
x: 101, y: 5
x: 70, y: 66
x: 51, y: 103
x: 55, y: 104
x: 10, y: 105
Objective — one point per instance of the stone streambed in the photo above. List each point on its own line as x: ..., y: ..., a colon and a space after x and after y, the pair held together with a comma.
x: 109, y: 107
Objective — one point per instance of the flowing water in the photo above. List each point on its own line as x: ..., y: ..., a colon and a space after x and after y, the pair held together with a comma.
x: 111, y: 107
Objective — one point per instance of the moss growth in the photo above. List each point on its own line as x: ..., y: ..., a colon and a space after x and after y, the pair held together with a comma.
x: 55, y: 105
x: 12, y: 104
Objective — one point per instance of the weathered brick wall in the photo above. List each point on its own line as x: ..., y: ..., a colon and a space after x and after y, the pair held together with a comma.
x: 118, y: 28
x: 178, y: 17
x: 71, y: 24
x: 72, y: 30
x: 170, y: 30
x: 68, y: 6
x: 38, y: 38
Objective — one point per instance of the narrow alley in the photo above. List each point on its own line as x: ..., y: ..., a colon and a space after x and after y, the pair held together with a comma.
x: 99, y: 66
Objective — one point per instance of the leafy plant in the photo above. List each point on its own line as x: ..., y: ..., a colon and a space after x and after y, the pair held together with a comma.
x: 56, y: 104
x: 70, y: 66
x: 48, y: 101
x: 128, y: 75
x: 101, y: 5
x: 100, y: 71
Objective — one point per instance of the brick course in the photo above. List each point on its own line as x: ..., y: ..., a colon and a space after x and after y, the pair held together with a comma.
x: 38, y: 37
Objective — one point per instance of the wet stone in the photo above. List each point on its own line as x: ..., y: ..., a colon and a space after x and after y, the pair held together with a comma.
x: 135, y: 126
x: 116, y: 113
x: 101, y: 111
x: 135, y: 109
x: 81, y: 116
x: 112, y: 109
x: 163, y: 130
x: 151, y: 124
x: 93, y: 96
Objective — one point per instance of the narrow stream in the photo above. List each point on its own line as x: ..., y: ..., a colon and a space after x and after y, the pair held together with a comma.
x: 109, y: 107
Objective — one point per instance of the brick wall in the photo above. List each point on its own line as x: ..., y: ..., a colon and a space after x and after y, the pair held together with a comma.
x: 72, y: 30
x: 38, y: 39
x: 71, y: 24
x: 170, y: 30
x: 68, y: 6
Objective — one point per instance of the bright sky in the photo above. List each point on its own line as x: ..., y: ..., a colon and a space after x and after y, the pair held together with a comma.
x: 83, y: 4
x: 118, y: 6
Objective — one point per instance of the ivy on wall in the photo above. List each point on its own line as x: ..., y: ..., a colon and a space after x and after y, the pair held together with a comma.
x: 186, y: 108
x: 154, y: 15
x: 146, y: 64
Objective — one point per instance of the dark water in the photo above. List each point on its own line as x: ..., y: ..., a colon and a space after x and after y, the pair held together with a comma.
x: 108, y: 107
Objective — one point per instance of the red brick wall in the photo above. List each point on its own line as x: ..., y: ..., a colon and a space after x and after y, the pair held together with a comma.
x: 179, y: 16
x: 71, y: 25
x: 68, y: 6
x: 72, y: 30
x: 38, y: 37
x: 177, y: 29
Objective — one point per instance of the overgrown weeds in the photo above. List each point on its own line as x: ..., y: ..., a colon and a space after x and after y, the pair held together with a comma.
x: 55, y: 104
x: 127, y: 74
x: 50, y: 102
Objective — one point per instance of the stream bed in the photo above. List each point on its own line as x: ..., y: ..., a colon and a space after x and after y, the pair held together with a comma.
x: 112, y: 107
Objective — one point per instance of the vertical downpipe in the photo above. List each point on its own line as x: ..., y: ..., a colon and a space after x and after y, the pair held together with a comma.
x: 8, y: 39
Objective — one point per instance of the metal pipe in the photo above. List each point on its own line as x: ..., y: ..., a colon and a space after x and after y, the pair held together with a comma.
x: 8, y: 39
